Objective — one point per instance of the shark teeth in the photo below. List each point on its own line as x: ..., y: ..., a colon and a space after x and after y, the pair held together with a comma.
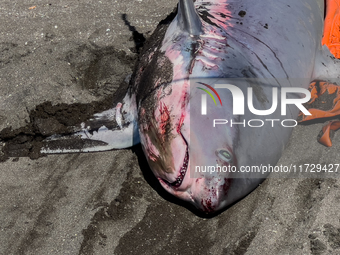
x: 182, y: 171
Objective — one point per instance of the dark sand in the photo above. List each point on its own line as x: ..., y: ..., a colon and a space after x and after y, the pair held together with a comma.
x: 67, y: 58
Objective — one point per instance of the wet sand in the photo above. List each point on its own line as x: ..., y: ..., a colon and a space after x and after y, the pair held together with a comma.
x: 67, y: 55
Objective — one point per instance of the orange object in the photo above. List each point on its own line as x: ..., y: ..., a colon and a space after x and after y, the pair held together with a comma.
x: 318, y: 89
x: 325, y: 138
x: 331, y: 34
x: 32, y: 7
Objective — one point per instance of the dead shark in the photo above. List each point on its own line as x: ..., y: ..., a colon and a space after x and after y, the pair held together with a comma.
x: 263, y: 45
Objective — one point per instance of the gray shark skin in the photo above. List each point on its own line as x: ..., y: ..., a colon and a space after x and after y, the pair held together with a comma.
x: 257, y: 44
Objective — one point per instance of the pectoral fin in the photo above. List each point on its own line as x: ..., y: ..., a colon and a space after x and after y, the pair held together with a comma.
x: 112, y: 129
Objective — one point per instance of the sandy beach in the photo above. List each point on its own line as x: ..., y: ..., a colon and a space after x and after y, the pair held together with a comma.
x: 61, y: 61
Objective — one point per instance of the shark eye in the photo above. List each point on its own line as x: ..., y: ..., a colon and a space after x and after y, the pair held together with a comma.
x: 224, y: 155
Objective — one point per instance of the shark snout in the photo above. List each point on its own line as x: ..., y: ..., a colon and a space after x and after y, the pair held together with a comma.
x: 206, y: 193
x: 209, y: 193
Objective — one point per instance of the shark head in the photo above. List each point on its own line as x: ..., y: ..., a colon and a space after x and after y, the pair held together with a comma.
x: 174, y: 141
x: 171, y: 140
x: 181, y: 151
x: 191, y: 160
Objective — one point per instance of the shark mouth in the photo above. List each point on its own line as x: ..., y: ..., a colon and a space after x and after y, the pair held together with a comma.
x: 183, y: 170
x: 184, y: 167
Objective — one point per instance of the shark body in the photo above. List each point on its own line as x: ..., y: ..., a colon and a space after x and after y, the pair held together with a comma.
x: 260, y: 45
